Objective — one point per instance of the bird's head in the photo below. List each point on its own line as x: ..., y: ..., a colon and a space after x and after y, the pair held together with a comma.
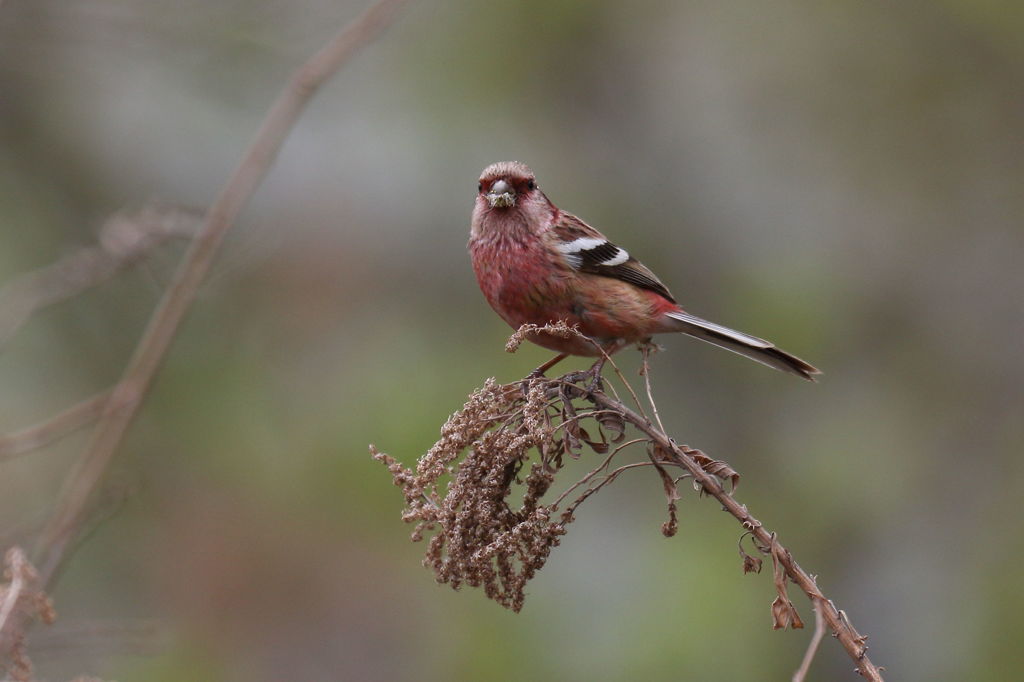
x: 508, y: 199
x: 504, y: 184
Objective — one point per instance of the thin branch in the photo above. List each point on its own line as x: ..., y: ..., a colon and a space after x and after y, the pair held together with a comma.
x: 21, y: 573
x: 127, y: 396
x: 578, y: 417
x: 157, y: 337
x: 602, y: 482
x: 812, y: 649
x: 838, y: 623
x: 139, y: 636
x: 56, y: 427
x: 22, y: 600
x: 604, y: 465
x: 622, y: 377
x: 645, y: 369
x: 124, y: 239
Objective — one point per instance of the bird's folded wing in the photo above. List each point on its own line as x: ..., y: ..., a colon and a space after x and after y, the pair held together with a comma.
x: 587, y: 250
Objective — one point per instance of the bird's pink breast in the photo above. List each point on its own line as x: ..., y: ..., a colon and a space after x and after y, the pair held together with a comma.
x: 526, y: 283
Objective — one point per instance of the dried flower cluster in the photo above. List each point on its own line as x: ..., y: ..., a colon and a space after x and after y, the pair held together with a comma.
x: 513, y: 437
x: 504, y: 437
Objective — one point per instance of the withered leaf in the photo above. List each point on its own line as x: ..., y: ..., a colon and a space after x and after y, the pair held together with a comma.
x: 568, y: 409
x: 669, y: 483
x: 670, y: 527
x: 671, y: 489
x: 751, y: 564
x: 784, y: 615
x: 656, y: 455
x: 572, y: 444
x: 598, y: 446
x: 614, y: 424
x: 715, y: 467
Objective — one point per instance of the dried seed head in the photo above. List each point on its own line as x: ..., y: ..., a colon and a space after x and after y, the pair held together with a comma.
x: 480, y: 489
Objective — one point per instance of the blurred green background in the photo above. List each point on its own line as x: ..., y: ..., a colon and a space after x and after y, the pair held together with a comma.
x: 846, y: 179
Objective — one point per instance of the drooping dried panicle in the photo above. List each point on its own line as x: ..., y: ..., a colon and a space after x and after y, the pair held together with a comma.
x: 482, y: 541
x: 511, y: 438
x: 504, y: 439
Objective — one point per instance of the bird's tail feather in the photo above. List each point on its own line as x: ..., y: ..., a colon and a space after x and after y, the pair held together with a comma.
x: 746, y: 345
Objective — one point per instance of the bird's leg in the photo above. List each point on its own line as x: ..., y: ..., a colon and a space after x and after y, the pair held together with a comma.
x: 595, y: 374
x: 539, y: 372
x: 647, y: 349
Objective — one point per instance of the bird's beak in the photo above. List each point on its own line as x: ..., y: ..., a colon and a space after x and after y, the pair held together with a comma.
x: 501, y: 195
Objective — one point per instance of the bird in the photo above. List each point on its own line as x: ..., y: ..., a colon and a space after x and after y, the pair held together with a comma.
x: 537, y: 264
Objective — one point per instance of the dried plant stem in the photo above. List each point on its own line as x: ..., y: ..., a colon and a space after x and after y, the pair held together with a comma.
x: 19, y: 580
x: 622, y: 377
x: 125, y: 238
x: 645, y: 369
x: 56, y: 427
x: 601, y: 467
x: 812, y: 649
x: 837, y: 622
x: 607, y: 479
x: 127, y: 395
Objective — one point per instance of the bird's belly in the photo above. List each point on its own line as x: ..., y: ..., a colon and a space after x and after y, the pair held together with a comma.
x: 554, y: 301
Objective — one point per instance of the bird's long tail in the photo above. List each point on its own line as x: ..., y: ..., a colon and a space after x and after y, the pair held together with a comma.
x: 746, y: 345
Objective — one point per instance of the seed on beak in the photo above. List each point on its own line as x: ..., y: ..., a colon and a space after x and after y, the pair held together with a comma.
x: 501, y: 195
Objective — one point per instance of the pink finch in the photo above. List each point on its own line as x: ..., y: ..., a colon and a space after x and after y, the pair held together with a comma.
x: 538, y: 264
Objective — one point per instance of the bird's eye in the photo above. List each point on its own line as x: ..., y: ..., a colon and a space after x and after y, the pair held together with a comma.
x: 531, y: 184
x: 479, y: 187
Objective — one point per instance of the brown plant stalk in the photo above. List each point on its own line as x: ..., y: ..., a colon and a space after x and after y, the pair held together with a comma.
x: 83, y: 480
x: 56, y: 427
x: 124, y: 239
x: 516, y: 437
x: 840, y: 626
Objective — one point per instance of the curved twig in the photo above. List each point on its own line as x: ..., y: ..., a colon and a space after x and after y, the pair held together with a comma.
x: 812, y: 649
x: 56, y: 427
x: 83, y: 480
x: 601, y: 467
x: 124, y: 239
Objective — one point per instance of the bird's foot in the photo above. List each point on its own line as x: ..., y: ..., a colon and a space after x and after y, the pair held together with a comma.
x: 539, y: 372
x: 524, y: 385
x: 647, y: 350
x: 594, y: 374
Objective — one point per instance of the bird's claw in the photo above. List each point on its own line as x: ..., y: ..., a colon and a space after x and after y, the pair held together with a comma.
x: 596, y: 381
x: 530, y: 378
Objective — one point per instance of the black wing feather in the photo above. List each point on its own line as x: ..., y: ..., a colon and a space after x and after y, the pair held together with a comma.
x: 634, y: 272
x: 600, y: 259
